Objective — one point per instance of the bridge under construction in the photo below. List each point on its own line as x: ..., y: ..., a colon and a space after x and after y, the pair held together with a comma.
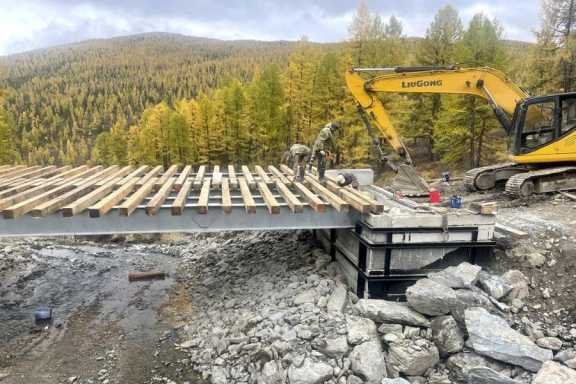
x: 374, y: 235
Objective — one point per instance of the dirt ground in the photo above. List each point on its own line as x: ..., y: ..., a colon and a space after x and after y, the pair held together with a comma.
x: 104, y: 329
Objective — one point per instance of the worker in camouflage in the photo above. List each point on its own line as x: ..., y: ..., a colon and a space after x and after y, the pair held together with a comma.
x: 324, y: 142
x: 347, y: 178
x: 297, y: 157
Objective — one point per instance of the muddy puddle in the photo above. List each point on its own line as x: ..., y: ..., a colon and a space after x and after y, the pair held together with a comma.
x: 103, y: 327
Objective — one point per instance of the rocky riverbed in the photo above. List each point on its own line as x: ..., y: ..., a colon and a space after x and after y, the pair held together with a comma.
x: 266, y: 308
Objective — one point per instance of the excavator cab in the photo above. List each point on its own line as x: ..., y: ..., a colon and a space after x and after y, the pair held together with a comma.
x: 540, y: 121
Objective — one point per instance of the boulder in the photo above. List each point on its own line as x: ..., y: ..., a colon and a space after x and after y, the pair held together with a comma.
x: 464, y: 275
x: 337, y: 300
x: 367, y: 362
x: 382, y: 311
x: 272, y: 373
x: 519, y: 283
x: 332, y: 347
x: 447, y: 335
x: 491, y: 336
x: 310, y: 372
x: 555, y: 373
x: 360, y: 330
x: 552, y: 343
x: 565, y: 355
x: 218, y: 375
x: 305, y: 297
x: 493, y: 285
x: 484, y: 375
x: 461, y: 363
x: 431, y: 298
x: 413, y: 358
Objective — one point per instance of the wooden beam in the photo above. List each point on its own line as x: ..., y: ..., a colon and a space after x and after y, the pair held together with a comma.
x: 279, y: 175
x: 18, y: 171
x: 33, y: 183
x: 334, y: 200
x: 315, y: 202
x: 136, y: 198
x: 291, y: 199
x: 27, y: 175
x: 86, y: 201
x: 182, y: 177
x: 249, y: 203
x: 510, y: 231
x: 216, y: 176
x: 571, y: 196
x: 158, y: 199
x: 106, y: 204
x: 233, y: 180
x: 86, y: 187
x: 166, y: 175
x: 23, y: 207
x: 181, y: 199
x: 23, y: 201
x: 357, y: 202
x: 153, y: 173
x: 204, y: 197
x: 248, y: 177
x: 199, y: 179
x: 269, y: 199
x: 226, y: 199
x: 8, y: 168
x: 136, y: 173
x: 263, y: 176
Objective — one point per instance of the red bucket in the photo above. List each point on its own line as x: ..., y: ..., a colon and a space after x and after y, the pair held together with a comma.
x: 434, y: 197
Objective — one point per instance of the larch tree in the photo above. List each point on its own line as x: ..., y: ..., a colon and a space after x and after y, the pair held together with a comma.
x: 8, y: 153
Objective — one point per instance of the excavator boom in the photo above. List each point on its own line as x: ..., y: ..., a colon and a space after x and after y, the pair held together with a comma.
x: 487, y: 83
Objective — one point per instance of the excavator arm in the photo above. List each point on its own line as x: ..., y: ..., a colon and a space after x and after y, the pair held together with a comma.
x: 487, y: 83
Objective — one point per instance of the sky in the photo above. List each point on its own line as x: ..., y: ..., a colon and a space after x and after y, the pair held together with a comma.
x: 32, y: 24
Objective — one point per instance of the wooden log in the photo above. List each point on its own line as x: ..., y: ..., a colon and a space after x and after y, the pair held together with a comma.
x: 86, y: 201
x: 315, y: 202
x: 7, y: 168
x: 293, y: 202
x: 286, y: 170
x: 166, y: 176
x: 233, y: 180
x: 269, y: 199
x: 263, y: 176
x: 249, y: 203
x: 179, y: 203
x: 570, y: 196
x: 158, y: 199
x: 226, y: 199
x: 19, y: 171
x: 33, y: 183
x: 86, y: 187
x: 107, y: 203
x: 136, y: 198
x: 279, y: 175
x: 334, y: 200
x: 182, y: 177
x: 204, y: 197
x: 357, y: 202
x: 21, y: 203
x: 216, y: 176
x: 248, y: 177
x: 136, y: 173
x: 153, y: 173
x: 27, y: 175
x: 199, y: 179
x: 152, y: 275
x: 510, y: 231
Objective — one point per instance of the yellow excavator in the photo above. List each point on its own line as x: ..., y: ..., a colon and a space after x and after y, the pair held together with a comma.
x: 541, y: 130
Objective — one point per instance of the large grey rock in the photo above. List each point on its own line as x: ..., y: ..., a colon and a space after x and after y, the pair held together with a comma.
x: 464, y: 275
x: 218, y: 375
x: 332, y: 347
x: 552, y: 343
x: 461, y: 363
x: 360, y: 330
x: 272, y: 373
x: 337, y: 300
x: 412, y: 358
x: 367, y: 361
x: 519, y: 283
x: 310, y: 372
x: 382, y: 311
x: 305, y: 297
x: 491, y: 336
x: 484, y: 375
x: 447, y: 335
x: 431, y: 298
x: 494, y: 285
x: 555, y: 373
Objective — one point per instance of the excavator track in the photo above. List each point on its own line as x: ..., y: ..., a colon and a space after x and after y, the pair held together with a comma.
x: 471, y: 176
x: 541, y: 181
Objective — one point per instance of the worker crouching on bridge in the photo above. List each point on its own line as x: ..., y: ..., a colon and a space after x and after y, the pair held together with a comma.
x: 297, y: 157
x: 347, y: 178
x: 324, y: 142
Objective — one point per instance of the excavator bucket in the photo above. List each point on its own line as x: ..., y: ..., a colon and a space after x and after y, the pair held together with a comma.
x: 408, y: 182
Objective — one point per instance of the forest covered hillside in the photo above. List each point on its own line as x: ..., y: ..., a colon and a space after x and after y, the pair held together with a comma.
x: 163, y: 98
